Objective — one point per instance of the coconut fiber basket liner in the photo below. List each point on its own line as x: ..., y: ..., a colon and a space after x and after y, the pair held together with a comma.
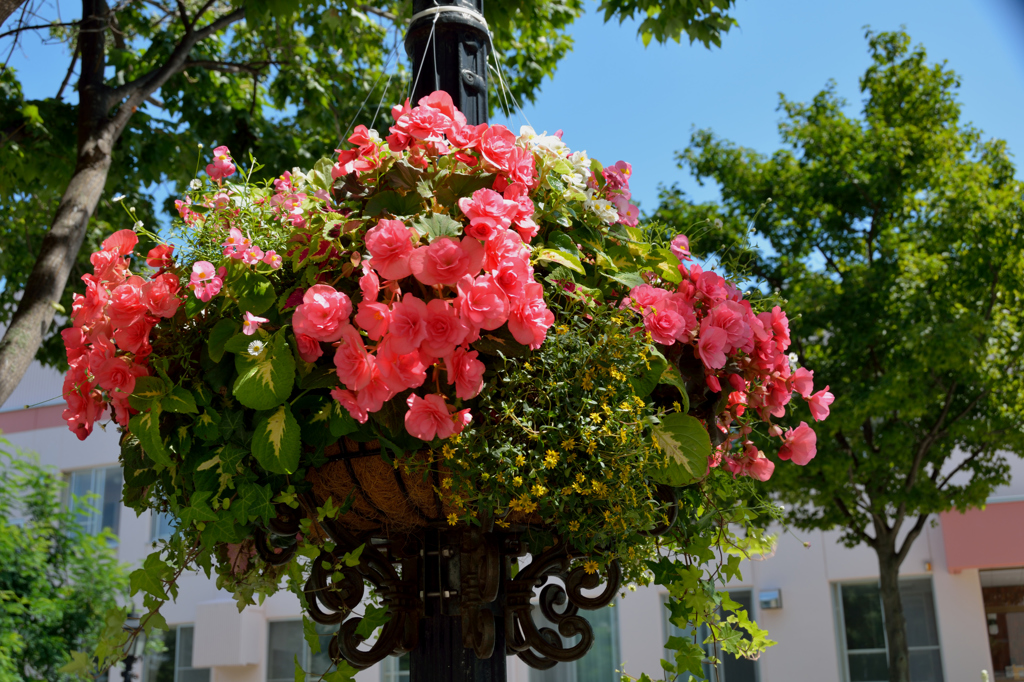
x: 385, y: 499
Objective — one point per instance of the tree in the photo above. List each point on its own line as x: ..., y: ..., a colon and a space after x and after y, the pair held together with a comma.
x: 156, y: 78
x: 897, y: 237
x: 58, y: 585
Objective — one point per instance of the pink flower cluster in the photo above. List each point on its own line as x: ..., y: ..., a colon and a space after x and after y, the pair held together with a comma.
x: 108, y: 344
x: 479, y: 283
x: 745, y: 351
x: 617, y: 191
x: 222, y: 165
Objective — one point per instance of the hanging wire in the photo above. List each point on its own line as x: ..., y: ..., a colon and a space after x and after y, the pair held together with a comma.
x: 501, y: 81
x: 423, y: 59
x: 382, y: 97
x: 351, y: 123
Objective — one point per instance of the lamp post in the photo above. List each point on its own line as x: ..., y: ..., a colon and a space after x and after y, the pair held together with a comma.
x: 135, y: 647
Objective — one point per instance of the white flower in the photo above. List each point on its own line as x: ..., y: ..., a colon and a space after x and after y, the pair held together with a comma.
x: 794, y: 362
x: 604, y: 209
x: 200, y: 145
x: 256, y: 348
x: 118, y: 197
x: 138, y: 225
x: 195, y: 184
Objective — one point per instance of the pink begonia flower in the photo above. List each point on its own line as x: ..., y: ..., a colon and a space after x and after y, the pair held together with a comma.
x: 373, y: 318
x: 489, y: 213
x: 390, y: 245
x: 512, y: 275
x: 400, y: 371
x: 220, y: 201
x: 236, y: 244
x: 777, y: 321
x: 407, y: 327
x: 308, y: 347
x: 160, y: 256
x: 444, y: 329
x: 355, y: 367
x: 221, y: 166
x: 751, y: 463
x: 713, y: 383
x: 428, y: 417
x: 250, y: 323
x: 373, y: 396
x: 617, y: 176
x: 482, y: 302
x: 801, y: 444
x: 121, y: 242
x: 819, y: 404
x: 530, y: 318
x: 447, y: 260
x: 252, y: 255
x: 496, y: 145
x: 160, y: 295
x: 665, y: 326
x: 135, y: 338
x: 522, y: 168
x: 730, y: 317
x: 272, y: 259
x: 629, y: 213
x: 83, y: 411
x: 109, y: 266
x: 466, y: 372
x: 645, y: 297
x: 323, y: 314
x: 711, y: 345
x: 523, y: 219
x: 461, y: 419
x: 116, y: 375
x: 348, y: 401
x: 680, y: 248
x: 126, y: 304
x: 803, y: 381
x: 506, y: 245
x: 710, y: 287
x: 369, y: 283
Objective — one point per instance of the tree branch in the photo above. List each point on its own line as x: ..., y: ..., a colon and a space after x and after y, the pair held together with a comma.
x: 37, y: 27
x: 378, y: 12
x: 929, y: 440
x: 67, y: 76
x: 253, y: 68
x: 868, y: 540
x: 915, y: 530
x: 946, y: 479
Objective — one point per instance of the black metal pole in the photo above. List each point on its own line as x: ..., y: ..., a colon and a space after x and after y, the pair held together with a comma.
x: 129, y: 663
x: 448, y: 47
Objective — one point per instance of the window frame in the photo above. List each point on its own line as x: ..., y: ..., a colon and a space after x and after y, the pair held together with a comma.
x: 306, y: 658
x: 839, y: 617
x: 670, y: 629
x: 155, y: 523
x: 92, y: 523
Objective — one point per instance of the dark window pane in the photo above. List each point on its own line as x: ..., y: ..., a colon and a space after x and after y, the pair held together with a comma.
x: 739, y: 669
x: 925, y: 666
x: 862, y: 612
x: 185, y: 633
x: 160, y: 667
x: 919, y: 612
x: 111, y: 499
x: 868, y: 667
x: 321, y: 662
x: 286, y: 642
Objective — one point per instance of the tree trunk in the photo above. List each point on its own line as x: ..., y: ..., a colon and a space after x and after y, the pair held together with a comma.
x: 892, y: 610
x: 60, y: 247
x: 7, y: 8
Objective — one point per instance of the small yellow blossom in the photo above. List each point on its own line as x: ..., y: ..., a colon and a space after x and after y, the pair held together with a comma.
x: 590, y: 567
x: 520, y: 460
x: 574, y: 525
x: 595, y: 417
x: 447, y: 451
x: 453, y: 519
x: 539, y: 490
x: 517, y: 480
x: 446, y: 483
x: 569, y: 444
x: 505, y: 524
x: 551, y: 460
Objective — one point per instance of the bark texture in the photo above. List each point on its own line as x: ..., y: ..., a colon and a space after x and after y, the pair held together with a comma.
x: 895, y: 622
x: 7, y: 8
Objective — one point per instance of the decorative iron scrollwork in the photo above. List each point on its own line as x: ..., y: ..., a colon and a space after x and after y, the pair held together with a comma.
x: 542, y: 647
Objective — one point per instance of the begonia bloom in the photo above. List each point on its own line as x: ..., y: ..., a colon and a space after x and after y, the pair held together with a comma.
x: 819, y: 404
x: 428, y: 417
x: 801, y: 445
x: 390, y: 246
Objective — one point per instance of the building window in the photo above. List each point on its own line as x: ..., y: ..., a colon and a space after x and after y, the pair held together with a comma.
x: 1003, y: 593
x: 600, y: 663
x: 286, y: 641
x: 395, y: 669
x: 174, y: 663
x: 864, y: 649
x: 103, y: 510
x: 162, y: 526
x: 730, y: 668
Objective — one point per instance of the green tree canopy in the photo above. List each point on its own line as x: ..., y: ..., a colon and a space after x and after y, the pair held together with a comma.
x: 58, y: 584
x: 279, y: 79
x: 896, y: 238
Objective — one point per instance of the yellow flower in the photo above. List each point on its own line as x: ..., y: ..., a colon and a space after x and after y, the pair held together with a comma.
x: 447, y: 451
x: 539, y: 490
x: 446, y: 483
x: 590, y: 567
x: 517, y: 480
x: 551, y: 460
x: 505, y: 524
x: 453, y: 519
x: 520, y: 460
x: 596, y: 417
x: 574, y: 525
x: 591, y: 446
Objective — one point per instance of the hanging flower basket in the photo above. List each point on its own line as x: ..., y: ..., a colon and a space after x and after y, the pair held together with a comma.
x: 455, y: 326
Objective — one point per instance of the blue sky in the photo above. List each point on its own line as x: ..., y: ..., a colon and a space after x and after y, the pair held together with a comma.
x: 619, y: 100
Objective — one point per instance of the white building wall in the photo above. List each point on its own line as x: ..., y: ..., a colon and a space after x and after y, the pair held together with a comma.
x: 805, y: 627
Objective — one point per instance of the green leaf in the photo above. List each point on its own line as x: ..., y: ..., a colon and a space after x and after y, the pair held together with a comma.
x: 311, y: 635
x: 460, y: 185
x: 276, y: 444
x: 78, y: 665
x: 343, y: 673
x: 194, y: 306
x: 373, y: 618
x: 341, y: 423
x: 563, y: 242
x: 147, y: 389
x: 321, y: 377
x: 239, y: 343
x: 265, y: 381
x: 628, y: 279
x: 672, y: 377
x: 179, y: 400
x: 394, y: 203
x: 656, y: 364
x: 219, y: 335
x: 351, y: 559
x: 686, y: 445
x: 255, y: 293
x: 437, y: 225
x: 300, y: 675
x: 568, y: 260
x: 207, y: 425
x: 146, y: 427
x: 198, y: 509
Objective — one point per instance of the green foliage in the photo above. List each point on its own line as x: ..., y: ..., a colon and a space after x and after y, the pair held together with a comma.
x: 59, y: 586
x: 284, y: 57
